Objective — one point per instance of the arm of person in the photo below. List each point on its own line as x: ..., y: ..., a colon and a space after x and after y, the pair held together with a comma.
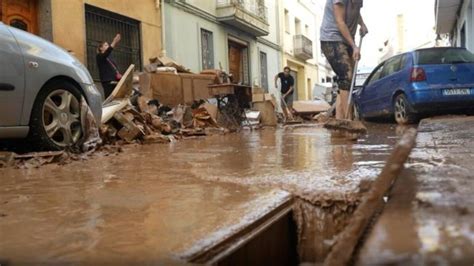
x: 340, y: 14
x: 109, y: 50
x: 276, y: 81
x: 292, y: 88
x: 116, y: 40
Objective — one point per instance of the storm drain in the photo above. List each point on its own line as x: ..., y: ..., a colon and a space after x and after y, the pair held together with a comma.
x: 318, y: 227
x: 294, y: 233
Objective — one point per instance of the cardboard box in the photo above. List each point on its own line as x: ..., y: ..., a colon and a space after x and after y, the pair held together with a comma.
x: 258, y: 97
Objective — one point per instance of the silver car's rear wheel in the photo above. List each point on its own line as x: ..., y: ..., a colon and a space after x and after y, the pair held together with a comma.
x: 61, y: 118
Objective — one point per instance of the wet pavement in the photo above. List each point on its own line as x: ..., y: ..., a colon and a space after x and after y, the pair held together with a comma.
x: 154, y: 203
x: 429, y: 219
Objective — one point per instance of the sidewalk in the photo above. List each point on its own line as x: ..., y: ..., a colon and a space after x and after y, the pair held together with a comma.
x: 429, y: 218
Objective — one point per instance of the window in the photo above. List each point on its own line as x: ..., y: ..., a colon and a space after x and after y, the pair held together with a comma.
x: 376, y: 75
x: 392, y: 66
x: 287, y: 21
x: 297, y: 27
x: 443, y: 56
x: 102, y: 25
x: 264, y: 71
x: 207, y: 49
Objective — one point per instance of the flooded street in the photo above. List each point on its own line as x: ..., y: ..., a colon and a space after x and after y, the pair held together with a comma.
x: 153, y: 203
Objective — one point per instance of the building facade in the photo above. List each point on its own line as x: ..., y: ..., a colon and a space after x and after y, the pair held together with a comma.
x: 299, y: 32
x: 80, y: 25
x: 455, y: 19
x: 237, y: 36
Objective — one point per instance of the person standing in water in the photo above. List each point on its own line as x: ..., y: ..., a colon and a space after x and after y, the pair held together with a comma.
x: 340, y: 22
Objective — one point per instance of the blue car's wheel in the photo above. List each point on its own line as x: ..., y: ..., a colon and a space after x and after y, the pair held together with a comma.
x: 404, y: 114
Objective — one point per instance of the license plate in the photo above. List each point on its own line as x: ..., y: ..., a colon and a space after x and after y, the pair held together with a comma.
x: 449, y: 92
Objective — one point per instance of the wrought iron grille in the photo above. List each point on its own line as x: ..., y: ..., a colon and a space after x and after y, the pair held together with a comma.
x: 103, y: 25
x: 255, y: 7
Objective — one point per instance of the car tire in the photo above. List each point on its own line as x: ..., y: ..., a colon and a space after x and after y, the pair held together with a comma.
x: 56, y: 116
x: 403, y: 111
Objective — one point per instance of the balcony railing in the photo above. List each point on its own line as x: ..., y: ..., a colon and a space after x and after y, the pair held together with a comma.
x: 254, y: 7
x: 303, y: 47
x: 247, y: 15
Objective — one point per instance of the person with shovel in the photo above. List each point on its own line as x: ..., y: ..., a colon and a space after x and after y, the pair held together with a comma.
x: 338, y: 29
x: 287, y: 83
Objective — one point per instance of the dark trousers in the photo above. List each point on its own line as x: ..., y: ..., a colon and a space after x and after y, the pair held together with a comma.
x: 108, y: 87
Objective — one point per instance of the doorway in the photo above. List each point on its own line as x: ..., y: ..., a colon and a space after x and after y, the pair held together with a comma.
x: 239, y: 62
x: 21, y: 14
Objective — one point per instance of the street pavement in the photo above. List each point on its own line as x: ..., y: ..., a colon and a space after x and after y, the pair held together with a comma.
x: 429, y: 219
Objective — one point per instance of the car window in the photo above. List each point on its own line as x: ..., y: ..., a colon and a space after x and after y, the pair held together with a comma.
x: 444, y: 56
x: 392, y: 66
x: 376, y: 74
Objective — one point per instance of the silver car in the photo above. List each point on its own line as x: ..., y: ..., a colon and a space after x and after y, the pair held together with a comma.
x: 41, y: 86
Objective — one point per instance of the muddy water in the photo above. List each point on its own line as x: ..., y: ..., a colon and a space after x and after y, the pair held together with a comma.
x: 150, y: 203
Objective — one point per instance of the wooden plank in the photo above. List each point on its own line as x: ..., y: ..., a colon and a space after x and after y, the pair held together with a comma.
x: 130, y: 131
x: 310, y: 107
x: 109, y: 110
x: 342, y: 252
x: 124, y: 87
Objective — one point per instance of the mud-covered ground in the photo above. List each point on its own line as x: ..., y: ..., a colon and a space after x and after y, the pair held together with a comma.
x: 429, y: 219
x: 152, y: 203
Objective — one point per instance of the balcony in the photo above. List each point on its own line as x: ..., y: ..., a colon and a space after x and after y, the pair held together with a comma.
x: 247, y: 15
x: 303, y: 47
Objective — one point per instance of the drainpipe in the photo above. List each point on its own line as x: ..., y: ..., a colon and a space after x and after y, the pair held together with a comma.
x: 279, y: 33
x: 161, y: 3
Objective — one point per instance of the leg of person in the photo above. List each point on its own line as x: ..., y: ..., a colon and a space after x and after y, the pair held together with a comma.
x: 339, y: 56
x: 289, y: 101
x: 108, y: 89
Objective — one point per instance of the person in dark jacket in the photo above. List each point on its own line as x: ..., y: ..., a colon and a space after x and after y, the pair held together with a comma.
x: 108, y: 70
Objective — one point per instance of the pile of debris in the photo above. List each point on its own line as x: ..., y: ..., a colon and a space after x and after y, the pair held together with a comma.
x: 130, y: 115
x: 145, y: 120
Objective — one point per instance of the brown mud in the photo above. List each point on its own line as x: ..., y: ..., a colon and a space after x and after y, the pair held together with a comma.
x: 151, y: 202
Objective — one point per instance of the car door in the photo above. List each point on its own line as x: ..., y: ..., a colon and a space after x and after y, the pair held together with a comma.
x: 367, y: 99
x: 390, y: 82
x: 12, y: 79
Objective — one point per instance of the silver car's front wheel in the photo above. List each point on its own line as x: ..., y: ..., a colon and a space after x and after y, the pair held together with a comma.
x: 61, y: 118
x: 56, y: 116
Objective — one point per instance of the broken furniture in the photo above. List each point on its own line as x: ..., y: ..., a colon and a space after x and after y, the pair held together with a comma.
x: 173, y: 89
x: 232, y: 100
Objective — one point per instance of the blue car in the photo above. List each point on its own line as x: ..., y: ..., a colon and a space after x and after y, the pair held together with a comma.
x: 411, y: 85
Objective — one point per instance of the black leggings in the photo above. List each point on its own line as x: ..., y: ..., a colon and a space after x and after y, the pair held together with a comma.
x: 108, y: 88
